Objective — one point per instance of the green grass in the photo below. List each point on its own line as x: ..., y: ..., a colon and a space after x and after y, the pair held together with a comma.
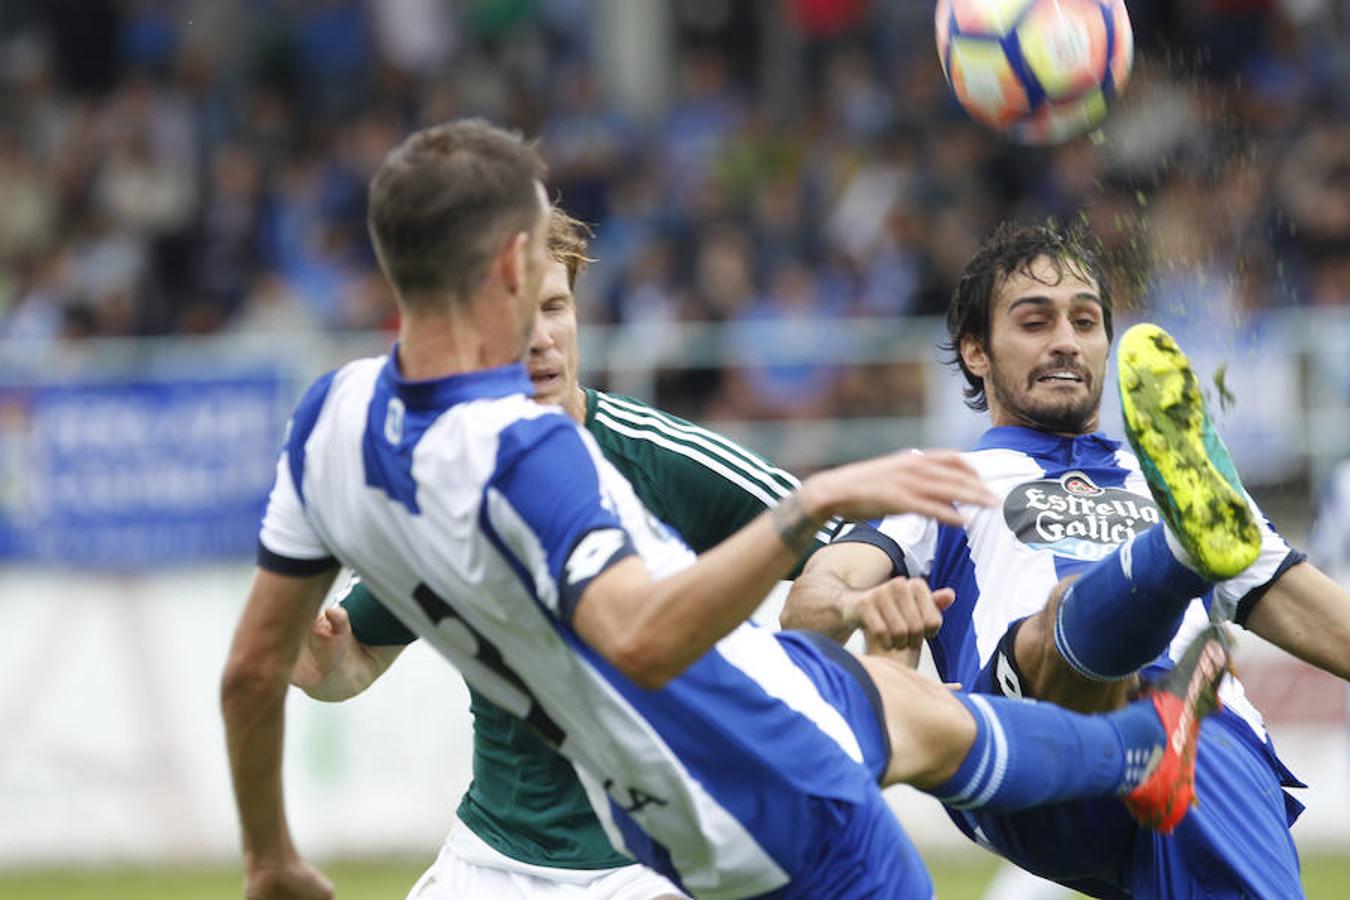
x: 958, y: 878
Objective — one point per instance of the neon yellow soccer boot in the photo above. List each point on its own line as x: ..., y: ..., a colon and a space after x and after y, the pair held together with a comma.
x: 1189, y: 471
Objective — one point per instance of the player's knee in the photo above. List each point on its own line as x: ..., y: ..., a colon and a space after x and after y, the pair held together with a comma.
x: 930, y: 730
x: 1046, y: 675
x: 1034, y: 647
x: 941, y: 736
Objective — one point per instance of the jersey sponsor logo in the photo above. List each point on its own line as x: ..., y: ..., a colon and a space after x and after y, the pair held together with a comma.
x: 1080, y: 485
x: 1072, y: 516
x: 393, y: 421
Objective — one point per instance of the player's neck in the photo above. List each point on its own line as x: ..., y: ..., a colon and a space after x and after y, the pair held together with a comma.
x: 436, y: 346
x: 1001, y: 418
x: 575, y: 405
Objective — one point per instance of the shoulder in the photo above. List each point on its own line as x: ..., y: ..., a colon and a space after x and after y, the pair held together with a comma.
x: 629, y: 413
x: 355, y: 373
x: 635, y: 430
x: 996, y: 463
x: 523, y: 426
x: 316, y: 397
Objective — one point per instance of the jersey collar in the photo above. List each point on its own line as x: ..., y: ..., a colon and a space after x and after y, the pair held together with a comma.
x: 442, y: 393
x: 1042, y: 443
x: 592, y: 401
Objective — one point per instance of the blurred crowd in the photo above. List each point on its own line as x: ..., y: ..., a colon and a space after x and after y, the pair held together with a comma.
x: 197, y: 166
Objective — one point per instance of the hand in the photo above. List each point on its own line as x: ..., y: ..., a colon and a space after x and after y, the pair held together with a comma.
x: 291, y: 880
x: 330, y: 638
x: 900, y: 613
x: 924, y: 483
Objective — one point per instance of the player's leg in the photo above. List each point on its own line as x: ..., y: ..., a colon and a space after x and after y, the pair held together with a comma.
x: 1236, y: 840
x: 1125, y: 610
x: 846, y: 844
x: 1002, y: 755
x: 1036, y: 668
x: 863, y: 851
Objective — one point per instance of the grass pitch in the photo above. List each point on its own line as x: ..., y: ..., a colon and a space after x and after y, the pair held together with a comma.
x: 957, y: 878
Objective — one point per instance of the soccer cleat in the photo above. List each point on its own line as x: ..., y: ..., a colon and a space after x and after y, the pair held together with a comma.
x: 1188, y: 469
x: 1182, y: 700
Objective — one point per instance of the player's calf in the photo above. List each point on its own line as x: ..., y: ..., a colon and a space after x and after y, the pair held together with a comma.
x: 975, y: 751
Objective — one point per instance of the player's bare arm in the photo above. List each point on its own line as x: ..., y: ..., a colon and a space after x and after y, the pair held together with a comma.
x: 846, y: 587
x: 824, y: 596
x: 334, y: 665
x: 253, y: 689
x: 1307, y: 614
x: 653, y: 629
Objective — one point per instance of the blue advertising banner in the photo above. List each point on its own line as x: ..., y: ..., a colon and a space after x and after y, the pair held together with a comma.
x: 138, y: 474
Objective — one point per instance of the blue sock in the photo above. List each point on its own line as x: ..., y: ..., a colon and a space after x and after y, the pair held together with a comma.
x: 1028, y: 754
x: 1125, y: 609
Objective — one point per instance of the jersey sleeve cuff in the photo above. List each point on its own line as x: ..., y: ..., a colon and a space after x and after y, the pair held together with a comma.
x: 1253, y: 597
x: 865, y: 533
x: 285, y: 565
x: 593, y: 553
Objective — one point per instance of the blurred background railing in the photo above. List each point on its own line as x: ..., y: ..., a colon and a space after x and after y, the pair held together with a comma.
x: 201, y: 417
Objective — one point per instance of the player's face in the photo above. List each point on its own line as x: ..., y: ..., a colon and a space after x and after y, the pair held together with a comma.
x: 1046, y: 361
x: 553, y: 357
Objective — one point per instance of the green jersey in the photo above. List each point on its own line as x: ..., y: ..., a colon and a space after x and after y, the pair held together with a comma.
x: 525, y: 800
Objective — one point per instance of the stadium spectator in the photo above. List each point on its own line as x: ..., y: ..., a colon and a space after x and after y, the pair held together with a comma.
x: 133, y: 138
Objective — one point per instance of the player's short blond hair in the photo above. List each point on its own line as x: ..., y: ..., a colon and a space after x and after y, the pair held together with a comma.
x: 568, y: 239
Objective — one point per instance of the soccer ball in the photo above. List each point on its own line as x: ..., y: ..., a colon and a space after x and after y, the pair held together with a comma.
x: 1039, y: 71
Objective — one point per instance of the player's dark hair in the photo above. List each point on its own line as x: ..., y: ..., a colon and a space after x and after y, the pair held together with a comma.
x: 1012, y: 249
x: 568, y: 239
x: 443, y: 202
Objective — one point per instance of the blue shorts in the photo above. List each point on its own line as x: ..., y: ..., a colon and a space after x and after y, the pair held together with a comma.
x: 860, y: 849
x: 835, y: 848
x: 1234, y: 842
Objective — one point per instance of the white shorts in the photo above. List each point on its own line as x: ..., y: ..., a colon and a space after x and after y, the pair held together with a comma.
x: 468, y: 868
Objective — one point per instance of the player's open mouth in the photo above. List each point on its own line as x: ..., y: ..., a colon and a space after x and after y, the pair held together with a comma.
x: 544, y: 379
x: 1061, y: 376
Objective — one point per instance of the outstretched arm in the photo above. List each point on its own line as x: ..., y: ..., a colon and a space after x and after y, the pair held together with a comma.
x: 334, y: 665
x: 850, y: 586
x: 1308, y: 615
x: 653, y: 629
x: 824, y: 597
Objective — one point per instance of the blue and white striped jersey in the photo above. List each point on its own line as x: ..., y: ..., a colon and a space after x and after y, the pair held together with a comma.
x: 478, y: 517
x: 1065, y: 503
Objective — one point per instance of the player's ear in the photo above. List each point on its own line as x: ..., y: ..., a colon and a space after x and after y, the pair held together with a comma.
x: 974, y: 356
x: 511, y: 262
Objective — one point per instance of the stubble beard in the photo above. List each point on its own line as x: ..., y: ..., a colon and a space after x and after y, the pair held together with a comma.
x: 1064, y: 417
